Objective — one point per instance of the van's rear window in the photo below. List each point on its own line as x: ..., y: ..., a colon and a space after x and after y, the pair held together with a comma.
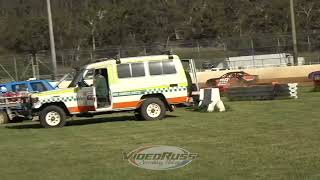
x: 168, y: 67
x: 162, y: 67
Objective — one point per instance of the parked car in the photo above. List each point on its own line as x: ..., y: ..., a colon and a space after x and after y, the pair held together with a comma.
x: 232, y: 79
x: 29, y: 86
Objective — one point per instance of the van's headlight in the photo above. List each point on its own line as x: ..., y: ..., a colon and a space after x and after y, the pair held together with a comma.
x: 34, y: 100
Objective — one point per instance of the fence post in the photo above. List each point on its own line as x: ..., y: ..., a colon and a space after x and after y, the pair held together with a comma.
x: 119, y: 52
x: 91, y: 56
x: 279, y: 45
x: 144, y: 50
x: 226, y: 55
x: 309, y: 44
x: 15, y: 68
x: 252, y: 51
x: 37, y: 67
x: 33, y: 67
x: 198, y: 49
x: 62, y: 62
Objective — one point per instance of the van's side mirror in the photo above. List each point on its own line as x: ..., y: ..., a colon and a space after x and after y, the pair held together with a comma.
x: 79, y: 84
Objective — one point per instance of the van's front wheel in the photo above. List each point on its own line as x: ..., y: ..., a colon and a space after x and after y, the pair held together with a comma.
x: 153, y: 109
x: 52, y: 117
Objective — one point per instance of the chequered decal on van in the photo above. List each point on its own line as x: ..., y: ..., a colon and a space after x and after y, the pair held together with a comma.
x: 63, y: 99
x: 150, y: 91
x: 116, y: 94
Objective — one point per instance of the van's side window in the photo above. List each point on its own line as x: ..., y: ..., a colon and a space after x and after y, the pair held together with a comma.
x: 124, y: 71
x: 155, y: 68
x: 131, y: 70
x: 169, y: 67
x: 89, y: 75
x: 162, y: 67
x: 137, y: 69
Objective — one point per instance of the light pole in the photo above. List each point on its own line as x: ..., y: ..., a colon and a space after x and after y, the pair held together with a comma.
x: 52, y: 45
x: 294, y: 34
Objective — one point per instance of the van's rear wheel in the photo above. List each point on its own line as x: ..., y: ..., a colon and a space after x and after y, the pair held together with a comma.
x: 4, y: 119
x: 153, y: 109
x: 52, y: 117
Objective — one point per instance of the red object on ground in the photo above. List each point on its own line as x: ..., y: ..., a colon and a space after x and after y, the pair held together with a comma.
x: 9, y: 94
x: 232, y: 79
x: 16, y: 97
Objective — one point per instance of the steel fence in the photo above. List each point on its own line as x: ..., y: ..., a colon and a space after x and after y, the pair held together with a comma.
x: 204, y: 51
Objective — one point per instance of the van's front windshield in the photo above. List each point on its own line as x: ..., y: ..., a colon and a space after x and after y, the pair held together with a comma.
x: 77, y: 78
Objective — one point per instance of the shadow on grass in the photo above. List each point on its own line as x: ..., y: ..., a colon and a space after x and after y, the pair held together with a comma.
x: 24, y: 126
x: 99, y: 120
x: 81, y: 122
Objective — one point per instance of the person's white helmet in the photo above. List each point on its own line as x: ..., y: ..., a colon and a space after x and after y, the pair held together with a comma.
x: 3, y: 89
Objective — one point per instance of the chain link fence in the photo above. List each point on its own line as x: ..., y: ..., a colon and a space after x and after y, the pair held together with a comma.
x: 205, y: 51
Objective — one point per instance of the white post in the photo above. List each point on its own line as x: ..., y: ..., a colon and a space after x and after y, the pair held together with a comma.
x: 52, y: 45
x: 294, y: 34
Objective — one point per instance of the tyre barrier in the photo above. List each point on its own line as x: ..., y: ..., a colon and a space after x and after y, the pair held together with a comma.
x: 264, y: 92
x: 211, y: 100
x: 286, y: 91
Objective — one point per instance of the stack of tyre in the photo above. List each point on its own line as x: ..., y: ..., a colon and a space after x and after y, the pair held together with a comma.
x: 262, y: 92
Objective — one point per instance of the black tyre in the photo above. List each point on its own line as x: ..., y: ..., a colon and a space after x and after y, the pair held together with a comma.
x: 137, y: 114
x: 153, y: 109
x: 4, y: 119
x: 52, y: 117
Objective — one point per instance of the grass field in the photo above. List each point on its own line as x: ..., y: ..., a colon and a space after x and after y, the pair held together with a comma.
x: 254, y: 140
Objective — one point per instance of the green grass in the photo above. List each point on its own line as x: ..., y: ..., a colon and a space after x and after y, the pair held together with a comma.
x: 254, y: 140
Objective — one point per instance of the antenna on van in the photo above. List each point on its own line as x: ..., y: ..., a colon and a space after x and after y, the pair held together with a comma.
x: 117, y: 58
x: 167, y: 52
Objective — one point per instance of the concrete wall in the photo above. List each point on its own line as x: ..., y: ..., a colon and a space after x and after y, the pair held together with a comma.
x: 266, y: 73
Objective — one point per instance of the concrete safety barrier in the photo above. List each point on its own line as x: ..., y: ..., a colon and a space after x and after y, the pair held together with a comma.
x: 210, y: 99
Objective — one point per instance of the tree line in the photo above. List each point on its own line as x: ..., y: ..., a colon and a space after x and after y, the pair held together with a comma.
x: 101, y: 23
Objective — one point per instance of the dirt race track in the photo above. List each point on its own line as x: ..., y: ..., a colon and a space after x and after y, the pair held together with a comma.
x: 301, y: 80
x: 290, y: 74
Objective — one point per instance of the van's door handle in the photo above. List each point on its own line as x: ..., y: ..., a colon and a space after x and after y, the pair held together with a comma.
x: 173, y: 85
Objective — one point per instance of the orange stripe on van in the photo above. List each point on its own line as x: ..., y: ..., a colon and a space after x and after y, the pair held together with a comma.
x: 81, y: 109
x: 133, y: 104
x: 137, y: 104
x: 123, y: 105
x: 177, y: 100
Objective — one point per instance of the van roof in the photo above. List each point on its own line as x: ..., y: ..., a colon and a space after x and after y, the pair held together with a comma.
x: 105, y: 61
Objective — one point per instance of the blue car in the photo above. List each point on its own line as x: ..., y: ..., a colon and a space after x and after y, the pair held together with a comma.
x: 30, y: 86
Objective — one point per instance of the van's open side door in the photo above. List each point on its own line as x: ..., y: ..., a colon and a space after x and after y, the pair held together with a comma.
x: 87, y: 99
x: 190, y: 66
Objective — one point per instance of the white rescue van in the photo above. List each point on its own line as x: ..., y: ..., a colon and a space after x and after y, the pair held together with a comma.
x: 147, y: 85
